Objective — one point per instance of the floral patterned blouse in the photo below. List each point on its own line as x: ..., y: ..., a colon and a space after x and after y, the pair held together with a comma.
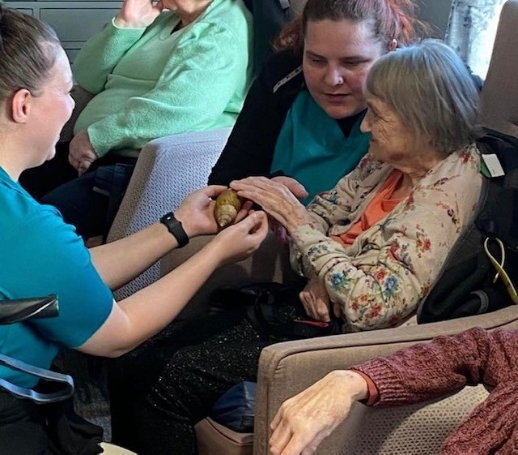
x: 380, y: 279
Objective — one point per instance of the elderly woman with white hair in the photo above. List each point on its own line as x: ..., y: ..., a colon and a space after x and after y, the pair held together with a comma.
x: 374, y: 245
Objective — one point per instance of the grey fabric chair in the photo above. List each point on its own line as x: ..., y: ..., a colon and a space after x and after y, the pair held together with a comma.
x: 167, y: 170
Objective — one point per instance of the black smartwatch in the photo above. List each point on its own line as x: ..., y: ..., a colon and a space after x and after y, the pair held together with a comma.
x: 175, y: 228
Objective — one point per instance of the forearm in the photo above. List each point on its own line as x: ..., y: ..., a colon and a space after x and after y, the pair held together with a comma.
x: 149, y: 310
x: 443, y: 366
x: 121, y: 261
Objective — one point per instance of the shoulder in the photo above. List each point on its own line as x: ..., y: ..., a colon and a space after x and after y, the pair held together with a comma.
x: 450, y: 192
x: 19, y: 209
x: 36, y: 232
x: 228, y: 18
x: 45, y: 257
x: 459, y: 171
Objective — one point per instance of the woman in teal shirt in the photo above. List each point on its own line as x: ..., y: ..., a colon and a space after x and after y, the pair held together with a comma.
x: 302, y: 115
x: 42, y: 255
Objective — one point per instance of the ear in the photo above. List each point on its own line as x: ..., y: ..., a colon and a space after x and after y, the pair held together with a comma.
x: 21, y: 105
x: 392, y: 46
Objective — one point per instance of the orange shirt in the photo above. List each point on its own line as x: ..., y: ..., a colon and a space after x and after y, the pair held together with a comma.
x: 380, y: 206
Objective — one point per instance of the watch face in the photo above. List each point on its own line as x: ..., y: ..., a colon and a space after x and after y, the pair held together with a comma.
x: 167, y: 217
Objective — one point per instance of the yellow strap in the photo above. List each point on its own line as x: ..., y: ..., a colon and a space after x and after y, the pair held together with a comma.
x: 499, y: 266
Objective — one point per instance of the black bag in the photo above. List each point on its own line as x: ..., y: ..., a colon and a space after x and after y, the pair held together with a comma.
x: 274, y: 310
x: 467, y: 284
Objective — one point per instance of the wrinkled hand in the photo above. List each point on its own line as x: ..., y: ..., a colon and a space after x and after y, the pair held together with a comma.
x: 240, y: 240
x: 315, y: 300
x: 305, y: 420
x: 300, y: 193
x: 295, y: 187
x: 275, y: 199
x: 81, y: 154
x: 138, y: 13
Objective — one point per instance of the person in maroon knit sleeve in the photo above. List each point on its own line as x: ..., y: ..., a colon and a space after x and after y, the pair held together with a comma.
x: 421, y: 372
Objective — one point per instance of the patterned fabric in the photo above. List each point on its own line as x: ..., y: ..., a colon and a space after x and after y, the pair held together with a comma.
x: 380, y: 279
x: 472, y: 30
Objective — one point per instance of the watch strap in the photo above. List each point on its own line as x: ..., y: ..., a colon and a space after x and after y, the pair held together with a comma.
x: 175, y: 228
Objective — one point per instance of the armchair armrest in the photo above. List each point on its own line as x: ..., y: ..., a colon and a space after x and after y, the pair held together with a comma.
x: 285, y: 369
x: 167, y: 170
x: 81, y: 98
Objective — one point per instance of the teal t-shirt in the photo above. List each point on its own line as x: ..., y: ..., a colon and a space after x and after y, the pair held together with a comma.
x: 312, y: 148
x: 41, y: 255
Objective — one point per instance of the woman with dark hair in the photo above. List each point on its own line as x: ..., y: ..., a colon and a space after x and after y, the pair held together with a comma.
x: 302, y: 115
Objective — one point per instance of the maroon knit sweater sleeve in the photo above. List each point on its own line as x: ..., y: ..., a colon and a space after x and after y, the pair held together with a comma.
x: 443, y: 366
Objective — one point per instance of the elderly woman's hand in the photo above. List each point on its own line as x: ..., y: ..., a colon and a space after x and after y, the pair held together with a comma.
x: 275, y: 199
x: 293, y: 185
x: 138, y: 13
x: 81, y: 153
x: 305, y: 420
x: 315, y: 300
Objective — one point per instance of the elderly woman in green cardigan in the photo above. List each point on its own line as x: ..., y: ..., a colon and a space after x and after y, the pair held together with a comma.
x: 153, y: 73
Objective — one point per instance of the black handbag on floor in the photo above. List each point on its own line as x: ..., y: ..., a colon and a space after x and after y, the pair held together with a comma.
x: 274, y: 310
